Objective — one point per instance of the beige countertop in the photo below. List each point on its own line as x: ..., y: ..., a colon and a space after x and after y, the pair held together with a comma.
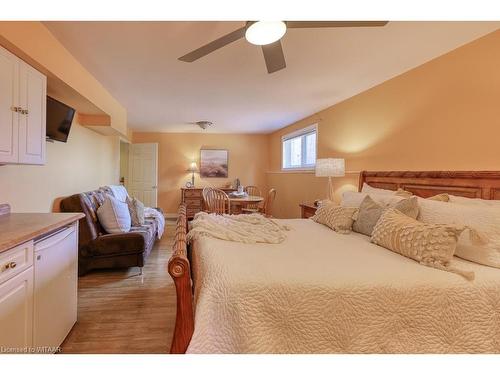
x: 16, y: 228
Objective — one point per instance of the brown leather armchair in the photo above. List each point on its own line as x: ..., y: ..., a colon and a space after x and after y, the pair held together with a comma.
x: 96, y: 248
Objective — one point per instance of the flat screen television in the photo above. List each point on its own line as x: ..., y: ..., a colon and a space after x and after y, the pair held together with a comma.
x: 59, y: 119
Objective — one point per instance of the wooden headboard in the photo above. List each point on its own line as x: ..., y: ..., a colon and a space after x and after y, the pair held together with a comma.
x: 471, y: 184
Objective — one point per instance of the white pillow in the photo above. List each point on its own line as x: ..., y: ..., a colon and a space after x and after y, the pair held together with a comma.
x: 473, y: 201
x: 354, y: 198
x: 484, y: 220
x: 371, y: 190
x: 119, y: 192
x: 114, y: 215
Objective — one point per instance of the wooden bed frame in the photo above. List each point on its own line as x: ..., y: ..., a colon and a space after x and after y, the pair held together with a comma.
x: 483, y: 184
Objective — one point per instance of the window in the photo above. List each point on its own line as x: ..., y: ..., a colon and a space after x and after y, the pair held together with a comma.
x: 299, y: 149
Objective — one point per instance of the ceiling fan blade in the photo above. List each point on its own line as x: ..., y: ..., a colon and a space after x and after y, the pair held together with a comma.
x: 273, y: 54
x: 213, y: 46
x: 315, y: 24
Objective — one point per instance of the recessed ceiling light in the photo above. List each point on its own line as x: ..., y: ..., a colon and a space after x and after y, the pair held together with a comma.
x: 203, y: 124
x: 265, y: 32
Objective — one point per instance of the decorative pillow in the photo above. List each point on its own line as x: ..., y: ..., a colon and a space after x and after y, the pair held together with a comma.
x: 403, y: 193
x: 474, y: 201
x: 482, y: 245
x: 136, y: 209
x: 114, y: 215
x: 370, y: 212
x: 432, y: 245
x: 370, y: 190
x: 354, y: 199
x: 444, y: 197
x: 338, y: 218
x: 117, y: 191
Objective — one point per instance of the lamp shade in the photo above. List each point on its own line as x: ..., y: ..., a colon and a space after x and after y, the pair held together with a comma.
x: 193, y: 167
x: 330, y: 167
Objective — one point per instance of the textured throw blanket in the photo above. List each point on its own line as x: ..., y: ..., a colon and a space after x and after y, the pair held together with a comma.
x: 249, y: 229
x: 151, y: 213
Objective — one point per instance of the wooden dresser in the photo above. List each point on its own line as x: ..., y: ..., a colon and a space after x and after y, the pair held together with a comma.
x: 193, y: 199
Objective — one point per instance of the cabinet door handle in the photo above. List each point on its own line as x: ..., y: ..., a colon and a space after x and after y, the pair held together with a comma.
x: 16, y: 109
x: 24, y: 111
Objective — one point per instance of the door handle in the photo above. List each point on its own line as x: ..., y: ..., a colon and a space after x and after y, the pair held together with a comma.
x: 154, y: 187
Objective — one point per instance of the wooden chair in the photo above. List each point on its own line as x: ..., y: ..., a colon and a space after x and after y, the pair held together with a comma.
x: 267, y: 207
x: 204, y: 194
x: 268, y: 203
x: 255, y: 191
x: 217, y: 202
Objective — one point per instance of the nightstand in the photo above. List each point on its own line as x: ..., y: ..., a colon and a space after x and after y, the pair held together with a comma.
x: 307, y: 210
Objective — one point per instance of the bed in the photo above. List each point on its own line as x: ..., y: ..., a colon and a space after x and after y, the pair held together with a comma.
x: 324, y: 292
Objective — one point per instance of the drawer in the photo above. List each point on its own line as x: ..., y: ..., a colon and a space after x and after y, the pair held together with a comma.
x: 192, y: 193
x: 15, y: 260
x: 193, y: 202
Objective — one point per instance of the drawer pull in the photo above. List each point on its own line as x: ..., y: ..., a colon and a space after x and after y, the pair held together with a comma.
x: 10, y: 265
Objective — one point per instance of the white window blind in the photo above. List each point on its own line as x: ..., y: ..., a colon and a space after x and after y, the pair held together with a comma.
x: 299, y: 149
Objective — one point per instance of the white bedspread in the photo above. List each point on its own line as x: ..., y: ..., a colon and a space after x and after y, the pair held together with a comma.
x: 322, y: 292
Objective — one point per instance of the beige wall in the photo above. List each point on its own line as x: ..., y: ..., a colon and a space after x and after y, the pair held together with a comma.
x: 248, y: 161
x: 88, y: 160
x: 443, y: 115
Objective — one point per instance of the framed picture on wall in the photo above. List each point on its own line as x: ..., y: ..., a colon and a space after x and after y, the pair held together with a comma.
x: 213, y: 163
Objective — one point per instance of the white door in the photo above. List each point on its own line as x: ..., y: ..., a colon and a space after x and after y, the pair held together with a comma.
x: 16, y: 311
x: 9, y: 100
x: 143, y: 173
x: 32, y: 123
x: 56, y: 282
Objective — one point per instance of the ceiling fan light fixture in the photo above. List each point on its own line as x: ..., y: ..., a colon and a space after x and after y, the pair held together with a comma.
x: 265, y: 32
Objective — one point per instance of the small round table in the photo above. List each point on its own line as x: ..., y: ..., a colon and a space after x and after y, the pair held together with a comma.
x: 237, y: 203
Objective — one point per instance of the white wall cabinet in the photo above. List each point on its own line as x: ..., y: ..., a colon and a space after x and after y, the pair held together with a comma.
x: 23, y: 97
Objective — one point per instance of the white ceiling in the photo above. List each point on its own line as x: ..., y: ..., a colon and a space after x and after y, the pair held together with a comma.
x: 137, y: 62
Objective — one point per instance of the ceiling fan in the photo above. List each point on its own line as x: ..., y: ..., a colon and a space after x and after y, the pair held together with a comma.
x: 268, y: 34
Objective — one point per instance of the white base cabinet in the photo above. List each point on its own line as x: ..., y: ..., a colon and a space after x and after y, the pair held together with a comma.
x: 38, y: 292
x: 16, y: 313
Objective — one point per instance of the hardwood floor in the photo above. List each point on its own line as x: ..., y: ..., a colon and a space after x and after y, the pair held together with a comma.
x: 120, y: 311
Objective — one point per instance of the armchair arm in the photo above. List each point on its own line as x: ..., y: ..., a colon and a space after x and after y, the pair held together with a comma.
x: 132, y: 242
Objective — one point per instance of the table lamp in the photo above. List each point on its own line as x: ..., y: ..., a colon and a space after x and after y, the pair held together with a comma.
x: 330, y: 167
x: 193, y: 168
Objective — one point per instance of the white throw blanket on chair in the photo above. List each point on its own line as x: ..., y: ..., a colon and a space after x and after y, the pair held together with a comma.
x: 158, y: 217
x: 252, y: 228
